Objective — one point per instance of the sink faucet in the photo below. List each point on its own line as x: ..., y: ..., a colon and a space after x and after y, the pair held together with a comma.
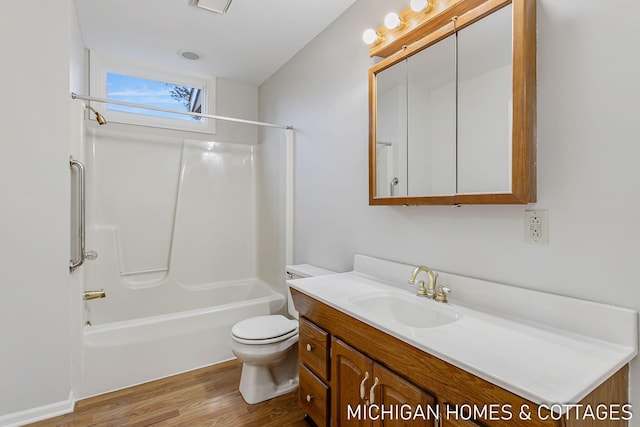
x: 430, y: 291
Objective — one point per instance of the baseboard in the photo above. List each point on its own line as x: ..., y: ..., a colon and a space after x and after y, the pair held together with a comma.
x: 38, y: 414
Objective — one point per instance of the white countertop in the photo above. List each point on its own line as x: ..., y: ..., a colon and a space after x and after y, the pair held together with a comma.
x: 542, y: 363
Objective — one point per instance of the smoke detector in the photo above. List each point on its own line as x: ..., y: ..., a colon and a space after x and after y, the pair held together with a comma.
x: 217, y: 6
x: 191, y: 55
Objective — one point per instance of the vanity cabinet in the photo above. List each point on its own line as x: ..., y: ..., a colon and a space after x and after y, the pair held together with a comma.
x: 343, y: 349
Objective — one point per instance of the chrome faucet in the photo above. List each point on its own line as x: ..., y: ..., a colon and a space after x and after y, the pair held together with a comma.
x: 430, y: 290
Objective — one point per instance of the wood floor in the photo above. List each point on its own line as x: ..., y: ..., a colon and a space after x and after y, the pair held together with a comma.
x: 206, y: 397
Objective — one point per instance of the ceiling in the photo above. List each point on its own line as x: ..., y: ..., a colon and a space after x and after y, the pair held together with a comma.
x: 248, y: 43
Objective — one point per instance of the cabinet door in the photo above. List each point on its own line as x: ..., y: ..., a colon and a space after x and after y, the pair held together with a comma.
x: 350, y: 371
x: 404, y: 403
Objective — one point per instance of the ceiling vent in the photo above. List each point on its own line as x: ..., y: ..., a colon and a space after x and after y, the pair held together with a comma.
x: 217, y: 6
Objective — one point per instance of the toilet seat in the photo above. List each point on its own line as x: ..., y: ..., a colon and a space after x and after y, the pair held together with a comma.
x: 264, y: 329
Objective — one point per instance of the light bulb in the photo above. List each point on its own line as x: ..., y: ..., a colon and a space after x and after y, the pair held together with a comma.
x: 392, y: 21
x: 370, y: 36
x: 419, y: 5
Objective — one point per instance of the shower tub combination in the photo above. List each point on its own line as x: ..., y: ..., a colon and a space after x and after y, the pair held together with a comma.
x: 177, y: 257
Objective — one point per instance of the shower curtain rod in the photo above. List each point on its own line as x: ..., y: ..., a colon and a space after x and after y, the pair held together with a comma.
x: 168, y: 110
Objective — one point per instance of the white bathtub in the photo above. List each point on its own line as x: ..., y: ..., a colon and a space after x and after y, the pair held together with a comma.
x: 122, y: 353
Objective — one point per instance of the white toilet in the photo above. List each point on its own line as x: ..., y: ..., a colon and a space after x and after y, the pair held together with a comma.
x: 268, y: 347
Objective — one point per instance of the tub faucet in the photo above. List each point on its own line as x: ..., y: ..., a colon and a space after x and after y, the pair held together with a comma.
x: 430, y: 290
x: 89, y: 295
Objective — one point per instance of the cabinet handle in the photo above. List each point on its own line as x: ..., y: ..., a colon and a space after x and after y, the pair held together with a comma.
x: 309, y: 398
x: 309, y: 347
x: 372, y: 392
x: 366, y: 377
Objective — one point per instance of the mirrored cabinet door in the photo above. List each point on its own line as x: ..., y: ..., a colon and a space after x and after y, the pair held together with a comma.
x: 485, y: 104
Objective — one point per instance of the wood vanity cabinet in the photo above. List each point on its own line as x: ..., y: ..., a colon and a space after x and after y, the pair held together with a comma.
x: 341, y: 357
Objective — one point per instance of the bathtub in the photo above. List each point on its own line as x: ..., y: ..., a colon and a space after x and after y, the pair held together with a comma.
x: 129, y: 347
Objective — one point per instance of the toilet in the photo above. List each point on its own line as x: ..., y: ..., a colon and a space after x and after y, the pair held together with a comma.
x: 267, y: 346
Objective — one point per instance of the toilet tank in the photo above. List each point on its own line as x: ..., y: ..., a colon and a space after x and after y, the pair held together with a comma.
x: 300, y: 271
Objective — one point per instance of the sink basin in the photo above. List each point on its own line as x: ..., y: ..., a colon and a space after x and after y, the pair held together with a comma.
x: 406, y: 310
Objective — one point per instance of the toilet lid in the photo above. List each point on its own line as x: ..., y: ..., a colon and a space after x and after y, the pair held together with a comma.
x: 264, y: 327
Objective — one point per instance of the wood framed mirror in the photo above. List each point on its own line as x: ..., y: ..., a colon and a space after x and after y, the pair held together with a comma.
x: 452, y: 113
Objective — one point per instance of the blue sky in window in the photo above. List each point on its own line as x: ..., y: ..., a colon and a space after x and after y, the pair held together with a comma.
x: 143, y: 91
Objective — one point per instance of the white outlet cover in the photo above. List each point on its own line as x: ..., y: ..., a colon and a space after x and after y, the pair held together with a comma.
x: 536, y: 227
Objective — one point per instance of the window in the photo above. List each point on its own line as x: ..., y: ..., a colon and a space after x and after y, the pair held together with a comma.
x: 137, y: 90
x: 121, y: 80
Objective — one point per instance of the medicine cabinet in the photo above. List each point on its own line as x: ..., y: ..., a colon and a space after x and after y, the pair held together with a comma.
x: 452, y: 114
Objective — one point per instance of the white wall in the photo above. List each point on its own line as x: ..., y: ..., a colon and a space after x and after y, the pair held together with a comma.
x: 35, y: 293
x: 588, y: 155
x: 240, y: 100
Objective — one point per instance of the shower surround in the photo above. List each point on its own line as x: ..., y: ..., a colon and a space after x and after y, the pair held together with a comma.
x: 174, y: 224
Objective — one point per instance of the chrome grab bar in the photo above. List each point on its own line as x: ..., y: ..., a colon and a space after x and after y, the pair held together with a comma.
x: 91, y: 255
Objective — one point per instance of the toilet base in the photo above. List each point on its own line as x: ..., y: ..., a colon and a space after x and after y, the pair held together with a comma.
x: 259, y: 383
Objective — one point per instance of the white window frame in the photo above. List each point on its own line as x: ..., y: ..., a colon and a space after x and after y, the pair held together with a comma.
x: 100, y: 65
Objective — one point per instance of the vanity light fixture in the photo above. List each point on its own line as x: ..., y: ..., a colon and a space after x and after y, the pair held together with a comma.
x: 420, y: 5
x: 371, y: 36
x: 392, y: 21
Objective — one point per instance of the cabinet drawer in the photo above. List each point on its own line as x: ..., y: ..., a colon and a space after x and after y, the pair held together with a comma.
x: 314, y: 349
x: 314, y: 397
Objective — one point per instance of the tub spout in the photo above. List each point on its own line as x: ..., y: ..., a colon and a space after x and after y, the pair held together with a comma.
x: 87, y: 295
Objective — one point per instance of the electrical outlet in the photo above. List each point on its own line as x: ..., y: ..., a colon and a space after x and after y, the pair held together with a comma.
x: 536, y: 228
